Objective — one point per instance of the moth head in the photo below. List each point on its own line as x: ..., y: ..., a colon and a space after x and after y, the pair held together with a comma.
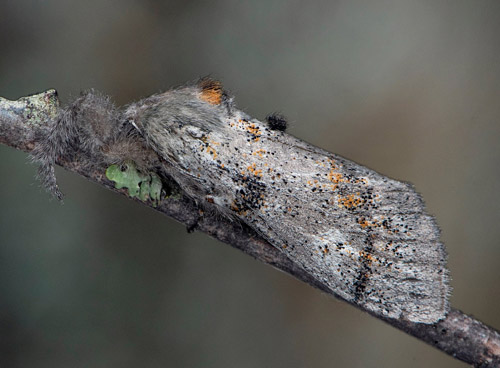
x: 202, y: 104
x: 172, y: 120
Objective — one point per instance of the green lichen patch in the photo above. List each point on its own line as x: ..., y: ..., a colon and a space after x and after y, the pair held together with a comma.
x: 144, y: 186
x: 156, y: 187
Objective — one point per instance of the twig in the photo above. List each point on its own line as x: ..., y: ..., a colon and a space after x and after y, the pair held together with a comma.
x: 458, y: 335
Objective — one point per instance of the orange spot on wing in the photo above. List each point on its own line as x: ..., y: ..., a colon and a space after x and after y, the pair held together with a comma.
x: 350, y: 201
x: 259, y: 152
x: 212, y: 151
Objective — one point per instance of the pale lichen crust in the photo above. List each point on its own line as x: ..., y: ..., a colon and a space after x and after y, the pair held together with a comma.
x: 36, y: 109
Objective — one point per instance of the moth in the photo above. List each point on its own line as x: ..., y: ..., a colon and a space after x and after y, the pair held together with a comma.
x: 367, y: 237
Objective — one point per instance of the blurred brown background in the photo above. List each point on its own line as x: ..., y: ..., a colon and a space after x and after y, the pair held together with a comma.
x: 408, y: 88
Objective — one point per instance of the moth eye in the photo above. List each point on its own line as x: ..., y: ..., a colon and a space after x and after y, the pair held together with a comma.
x: 123, y: 167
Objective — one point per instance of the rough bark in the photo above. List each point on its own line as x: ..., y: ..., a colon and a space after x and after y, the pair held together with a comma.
x: 458, y: 335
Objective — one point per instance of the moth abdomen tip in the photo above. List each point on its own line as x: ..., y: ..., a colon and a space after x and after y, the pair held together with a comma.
x: 277, y: 122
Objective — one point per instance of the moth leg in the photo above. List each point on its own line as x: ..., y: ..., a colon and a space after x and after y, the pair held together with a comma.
x: 87, y: 124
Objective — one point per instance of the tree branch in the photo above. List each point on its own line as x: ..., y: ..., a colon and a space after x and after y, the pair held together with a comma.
x: 458, y: 335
